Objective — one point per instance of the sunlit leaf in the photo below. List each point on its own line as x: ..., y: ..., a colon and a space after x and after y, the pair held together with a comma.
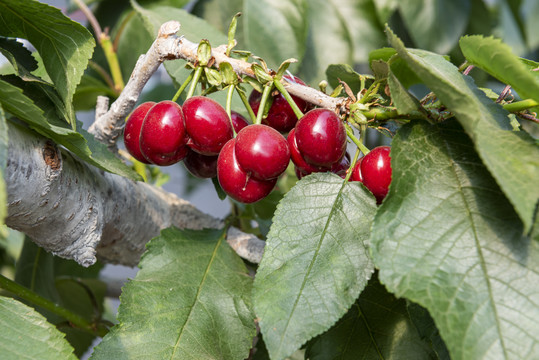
x: 315, y: 262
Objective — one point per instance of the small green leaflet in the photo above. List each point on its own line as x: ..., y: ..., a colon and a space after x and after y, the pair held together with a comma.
x: 190, y: 300
x: 447, y: 238
x: 64, y: 45
x: 496, y: 58
x: 26, y: 334
x: 316, y: 261
x: 511, y: 157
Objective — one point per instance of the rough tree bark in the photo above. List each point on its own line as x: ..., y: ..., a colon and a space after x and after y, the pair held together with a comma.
x: 79, y: 212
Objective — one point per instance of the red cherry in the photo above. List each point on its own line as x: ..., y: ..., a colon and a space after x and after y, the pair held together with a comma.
x: 342, y: 166
x: 201, y: 166
x: 238, y: 121
x: 162, y: 135
x: 235, y: 182
x: 356, y: 172
x: 207, y: 124
x: 376, y: 171
x: 280, y: 116
x: 132, y: 130
x: 321, y: 137
x: 298, y: 160
x: 262, y: 151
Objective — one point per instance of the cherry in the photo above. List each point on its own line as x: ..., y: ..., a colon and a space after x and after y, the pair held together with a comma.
x: 207, y: 124
x: 262, y: 151
x: 280, y: 116
x: 321, y: 137
x: 162, y: 134
x: 201, y: 166
x: 356, y: 172
x: 132, y: 130
x: 235, y: 182
x: 238, y: 121
x: 296, y: 157
x: 342, y: 166
x: 376, y: 171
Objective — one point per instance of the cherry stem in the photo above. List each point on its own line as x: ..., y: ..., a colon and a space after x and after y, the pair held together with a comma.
x: 352, y: 165
x: 520, y: 105
x: 288, y: 98
x: 194, y: 82
x: 28, y: 295
x: 355, y: 140
x: 246, y: 104
x: 229, y: 94
x: 184, y: 85
x: 263, y: 100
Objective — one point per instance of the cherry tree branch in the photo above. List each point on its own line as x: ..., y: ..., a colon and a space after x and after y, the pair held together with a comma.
x: 168, y: 46
x: 79, y: 212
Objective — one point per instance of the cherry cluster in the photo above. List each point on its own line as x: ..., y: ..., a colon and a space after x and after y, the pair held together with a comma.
x: 247, y: 166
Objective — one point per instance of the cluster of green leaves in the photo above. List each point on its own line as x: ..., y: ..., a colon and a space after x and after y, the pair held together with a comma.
x: 447, y: 266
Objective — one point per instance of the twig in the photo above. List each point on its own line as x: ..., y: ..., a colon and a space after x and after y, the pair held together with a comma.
x: 504, y: 93
x: 168, y: 46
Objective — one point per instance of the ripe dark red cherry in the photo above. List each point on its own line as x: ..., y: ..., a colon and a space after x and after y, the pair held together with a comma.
x: 321, y: 137
x: 298, y: 160
x: 376, y: 171
x: 280, y: 116
x: 342, y: 166
x: 356, y: 172
x: 238, y: 121
x: 207, y: 124
x: 132, y: 130
x: 162, y: 136
x: 201, y: 166
x: 262, y: 152
x: 235, y: 182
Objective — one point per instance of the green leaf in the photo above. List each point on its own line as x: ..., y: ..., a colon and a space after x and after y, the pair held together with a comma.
x: 346, y: 73
x: 333, y: 37
x: 435, y: 25
x: 448, y: 239
x: 511, y: 157
x: 398, y: 66
x: 377, y: 326
x: 39, y: 271
x: 220, y: 13
x: 315, y: 262
x: 3, y: 162
x: 404, y: 101
x: 496, y: 58
x: 427, y: 329
x: 509, y: 25
x: 190, y: 299
x: 20, y: 58
x: 192, y: 27
x: 85, y: 97
x: 27, y: 335
x: 80, y: 143
x: 529, y: 11
x: 64, y: 45
x: 275, y: 30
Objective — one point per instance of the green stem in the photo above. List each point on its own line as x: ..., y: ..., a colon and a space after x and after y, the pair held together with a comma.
x: 263, y: 100
x: 355, y: 140
x: 245, y: 102
x: 112, y: 60
x: 28, y: 295
x: 520, y: 105
x: 229, y: 94
x: 194, y: 82
x: 352, y: 165
x: 288, y: 98
x: 184, y: 85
